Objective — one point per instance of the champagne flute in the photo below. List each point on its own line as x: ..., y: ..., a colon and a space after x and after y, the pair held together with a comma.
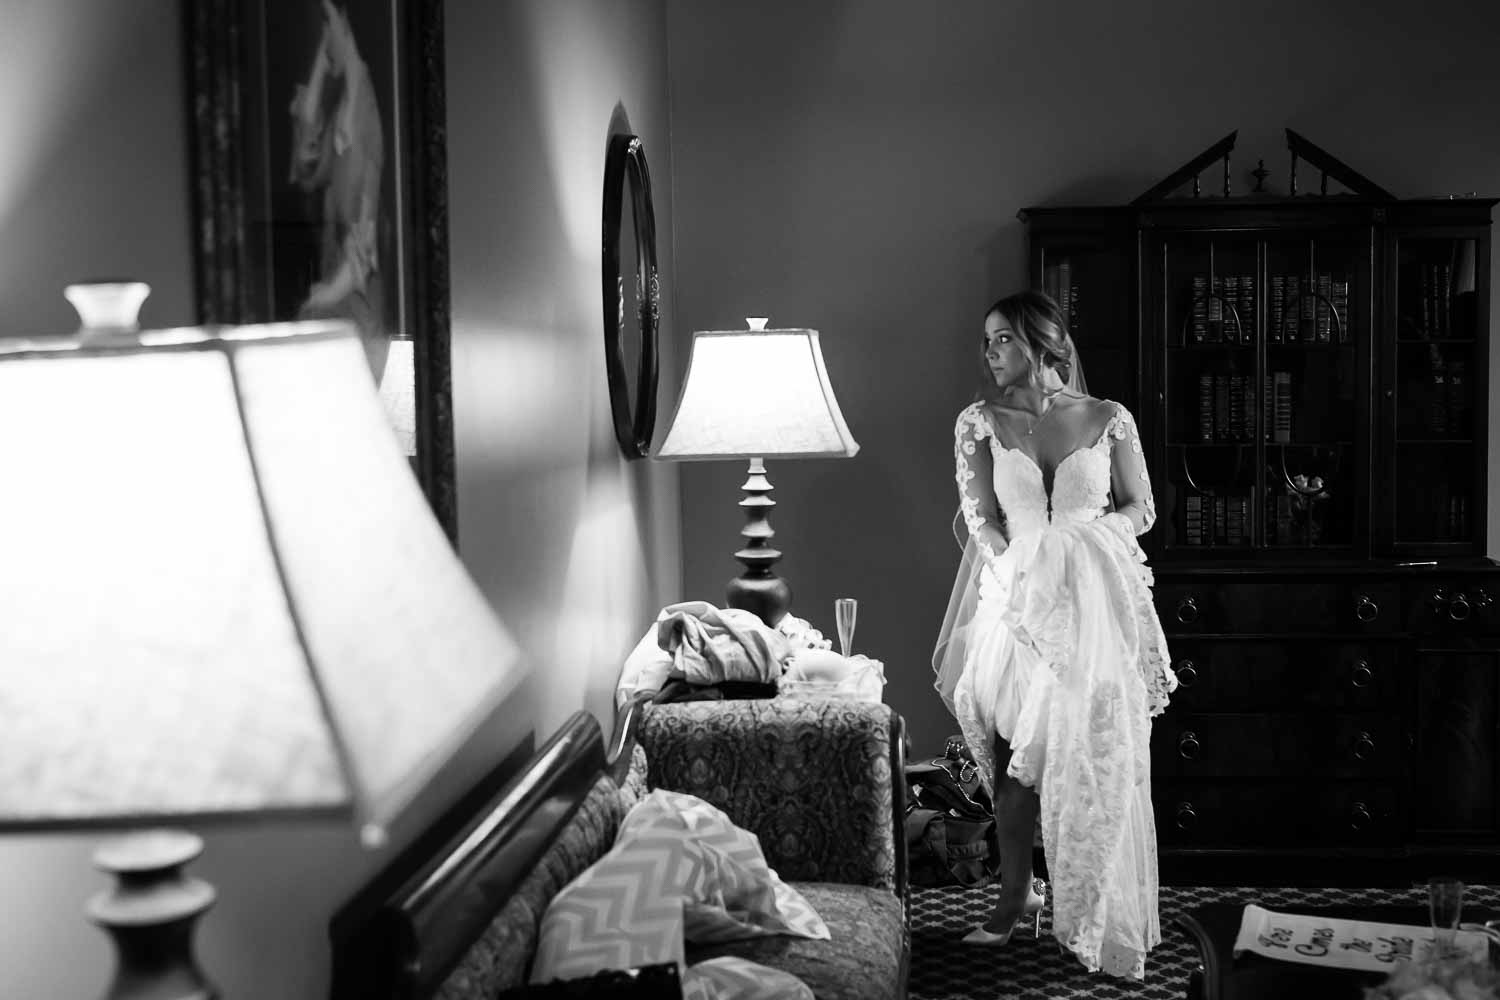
x: 844, y: 611
x: 1445, y: 898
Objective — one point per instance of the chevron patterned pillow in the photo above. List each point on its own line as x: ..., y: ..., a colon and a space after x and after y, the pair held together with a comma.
x: 679, y: 870
x: 730, y: 978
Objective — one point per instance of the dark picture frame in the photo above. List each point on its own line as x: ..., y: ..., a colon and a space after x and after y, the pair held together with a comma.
x: 274, y: 241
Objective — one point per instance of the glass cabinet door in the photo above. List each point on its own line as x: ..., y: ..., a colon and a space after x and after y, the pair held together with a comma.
x: 1436, y: 465
x: 1209, y: 316
x: 1090, y: 280
x: 1262, y: 391
x: 1317, y: 318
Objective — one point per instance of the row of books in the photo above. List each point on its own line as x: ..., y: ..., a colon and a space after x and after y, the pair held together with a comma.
x: 1435, y: 301
x: 1222, y: 519
x: 1301, y: 310
x: 1226, y: 407
x: 1447, y: 409
x: 1309, y: 311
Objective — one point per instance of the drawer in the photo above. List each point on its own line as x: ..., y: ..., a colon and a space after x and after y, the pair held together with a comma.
x: 1257, y: 675
x: 1458, y: 606
x: 1345, y: 814
x: 1278, y: 607
x: 1275, y: 745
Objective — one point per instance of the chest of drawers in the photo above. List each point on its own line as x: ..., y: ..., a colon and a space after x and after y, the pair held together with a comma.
x: 1330, y: 725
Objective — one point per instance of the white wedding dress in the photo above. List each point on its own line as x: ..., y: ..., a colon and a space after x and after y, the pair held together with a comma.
x: 1065, y: 659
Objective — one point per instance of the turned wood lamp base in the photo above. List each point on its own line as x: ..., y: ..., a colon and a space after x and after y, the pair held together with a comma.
x: 150, y: 913
x: 759, y: 589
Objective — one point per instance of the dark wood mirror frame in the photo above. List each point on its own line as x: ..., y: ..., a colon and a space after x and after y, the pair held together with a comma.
x: 634, y: 419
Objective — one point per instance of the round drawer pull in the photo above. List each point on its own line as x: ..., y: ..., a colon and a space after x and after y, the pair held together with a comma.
x: 1187, y: 611
x: 1188, y: 746
x: 1359, y: 816
x: 1459, y: 608
x: 1186, y: 818
x: 1187, y: 674
x: 1365, y: 609
x: 1361, y: 674
x: 1364, y: 747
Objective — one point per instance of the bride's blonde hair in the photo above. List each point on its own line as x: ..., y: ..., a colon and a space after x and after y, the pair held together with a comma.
x: 1042, y: 332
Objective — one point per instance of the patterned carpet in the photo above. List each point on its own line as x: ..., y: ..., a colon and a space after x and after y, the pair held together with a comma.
x: 1031, y: 968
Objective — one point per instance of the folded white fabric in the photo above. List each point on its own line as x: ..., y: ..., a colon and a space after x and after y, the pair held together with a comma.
x: 649, y: 666
x: 710, y: 645
x: 822, y: 673
x: 679, y: 871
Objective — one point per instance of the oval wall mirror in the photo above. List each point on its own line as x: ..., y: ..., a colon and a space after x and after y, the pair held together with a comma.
x: 632, y: 294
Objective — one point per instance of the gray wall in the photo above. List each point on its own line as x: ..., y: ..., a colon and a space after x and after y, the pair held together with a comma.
x: 574, y: 548
x: 856, y: 167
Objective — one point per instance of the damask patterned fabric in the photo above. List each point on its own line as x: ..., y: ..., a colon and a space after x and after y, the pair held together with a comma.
x: 490, y: 965
x: 811, y: 779
x: 862, y: 960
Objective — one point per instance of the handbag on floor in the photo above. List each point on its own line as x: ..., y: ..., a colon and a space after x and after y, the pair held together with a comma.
x: 950, y: 827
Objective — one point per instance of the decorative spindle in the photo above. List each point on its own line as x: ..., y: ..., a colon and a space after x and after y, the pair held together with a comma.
x: 1260, y: 173
x: 759, y: 589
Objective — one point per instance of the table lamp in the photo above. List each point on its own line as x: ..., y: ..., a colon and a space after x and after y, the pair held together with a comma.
x: 757, y: 394
x: 224, y: 598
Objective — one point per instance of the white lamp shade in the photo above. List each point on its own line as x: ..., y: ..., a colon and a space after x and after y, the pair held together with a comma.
x: 398, y: 391
x: 758, y: 393
x: 223, y: 592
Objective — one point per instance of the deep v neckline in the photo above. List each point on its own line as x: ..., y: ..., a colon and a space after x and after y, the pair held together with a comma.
x: 1046, y: 485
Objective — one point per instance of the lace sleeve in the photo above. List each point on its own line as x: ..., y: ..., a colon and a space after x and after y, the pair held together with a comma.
x: 976, y: 484
x: 1129, y: 481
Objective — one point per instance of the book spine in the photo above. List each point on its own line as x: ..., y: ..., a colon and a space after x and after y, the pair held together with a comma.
x: 1200, y: 309
x: 1192, y: 519
x: 1223, y: 430
x: 1278, y: 307
x: 1283, y: 407
x: 1456, y: 398
x: 1341, y: 307
x: 1221, y: 520
x: 1216, y: 310
x: 1292, y: 325
x: 1268, y: 405
x: 1247, y: 308
x: 1206, y: 408
x: 1238, y: 429
x: 1239, y: 520
x: 1247, y: 408
x: 1065, y: 286
x: 1308, y: 323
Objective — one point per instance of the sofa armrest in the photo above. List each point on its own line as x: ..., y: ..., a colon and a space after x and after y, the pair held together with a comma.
x: 811, y: 779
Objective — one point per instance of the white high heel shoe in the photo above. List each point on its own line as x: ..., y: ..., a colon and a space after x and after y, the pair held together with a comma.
x: 1036, y: 898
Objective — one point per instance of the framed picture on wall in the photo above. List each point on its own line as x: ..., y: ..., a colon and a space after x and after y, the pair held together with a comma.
x: 320, y: 190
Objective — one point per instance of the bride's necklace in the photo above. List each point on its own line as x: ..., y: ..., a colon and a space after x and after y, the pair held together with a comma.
x: 1048, y: 405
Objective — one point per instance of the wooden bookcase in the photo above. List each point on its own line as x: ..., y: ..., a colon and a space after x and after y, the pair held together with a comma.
x: 1310, y: 375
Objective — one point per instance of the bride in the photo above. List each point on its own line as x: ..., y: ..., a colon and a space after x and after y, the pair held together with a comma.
x: 1051, y: 656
